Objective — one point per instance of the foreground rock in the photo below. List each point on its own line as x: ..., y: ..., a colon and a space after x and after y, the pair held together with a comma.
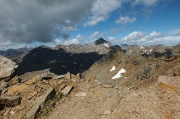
x: 7, y: 68
x: 67, y: 90
x: 81, y: 94
x: 38, y: 102
x: 33, y: 94
x: 10, y: 101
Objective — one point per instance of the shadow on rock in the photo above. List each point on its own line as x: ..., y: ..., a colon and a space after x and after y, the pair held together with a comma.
x: 58, y: 61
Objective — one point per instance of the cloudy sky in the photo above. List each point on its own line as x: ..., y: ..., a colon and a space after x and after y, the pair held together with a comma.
x: 28, y: 23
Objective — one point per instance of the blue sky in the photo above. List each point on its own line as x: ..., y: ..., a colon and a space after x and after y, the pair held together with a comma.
x: 161, y: 17
x: 26, y: 23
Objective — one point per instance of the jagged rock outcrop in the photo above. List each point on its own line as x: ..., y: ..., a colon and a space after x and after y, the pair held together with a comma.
x: 35, y: 94
x: 7, y: 68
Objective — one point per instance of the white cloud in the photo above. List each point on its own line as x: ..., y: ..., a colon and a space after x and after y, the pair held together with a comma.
x: 96, y: 35
x: 175, y: 32
x: 72, y: 41
x: 154, y: 38
x: 145, y: 2
x: 134, y: 36
x: 125, y: 20
x: 101, y: 10
x: 94, y: 20
x: 57, y: 41
x: 111, y: 38
x: 155, y: 34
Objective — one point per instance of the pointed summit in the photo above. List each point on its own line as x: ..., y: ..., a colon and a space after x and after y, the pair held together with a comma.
x: 100, y: 41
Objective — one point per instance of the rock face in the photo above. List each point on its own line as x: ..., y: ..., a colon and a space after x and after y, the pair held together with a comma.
x: 39, y: 101
x: 10, y: 101
x: 7, y: 68
x: 34, y: 95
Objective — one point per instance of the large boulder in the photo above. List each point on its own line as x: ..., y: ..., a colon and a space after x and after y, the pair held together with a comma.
x: 7, y: 68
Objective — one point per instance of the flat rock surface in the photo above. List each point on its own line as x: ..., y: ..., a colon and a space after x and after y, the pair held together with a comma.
x: 67, y: 90
x: 81, y: 94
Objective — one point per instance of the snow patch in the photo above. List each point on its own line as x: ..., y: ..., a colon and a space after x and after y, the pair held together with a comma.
x: 113, y: 68
x: 106, y: 45
x: 118, y: 75
x: 141, y: 47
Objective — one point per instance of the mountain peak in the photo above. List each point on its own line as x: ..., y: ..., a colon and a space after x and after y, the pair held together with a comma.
x: 100, y: 41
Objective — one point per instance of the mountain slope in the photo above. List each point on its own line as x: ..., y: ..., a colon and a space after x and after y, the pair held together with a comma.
x: 141, y: 70
x: 58, y: 61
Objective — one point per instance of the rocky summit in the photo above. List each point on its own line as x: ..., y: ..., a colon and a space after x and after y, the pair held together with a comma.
x: 96, y: 81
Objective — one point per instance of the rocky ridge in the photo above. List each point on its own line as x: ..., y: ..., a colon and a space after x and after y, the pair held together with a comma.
x: 34, y: 94
x: 146, y: 86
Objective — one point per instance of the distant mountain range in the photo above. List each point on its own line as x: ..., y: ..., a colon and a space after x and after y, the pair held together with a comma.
x: 62, y: 59
x: 13, y: 52
x: 75, y: 58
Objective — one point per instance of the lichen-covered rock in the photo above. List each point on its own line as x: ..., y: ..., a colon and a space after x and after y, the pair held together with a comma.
x: 7, y: 67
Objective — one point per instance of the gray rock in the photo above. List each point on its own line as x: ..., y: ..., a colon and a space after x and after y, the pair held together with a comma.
x: 81, y: 94
x: 107, y: 112
x: 67, y: 90
x: 97, y: 82
x: 8, y: 68
x: 68, y: 75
